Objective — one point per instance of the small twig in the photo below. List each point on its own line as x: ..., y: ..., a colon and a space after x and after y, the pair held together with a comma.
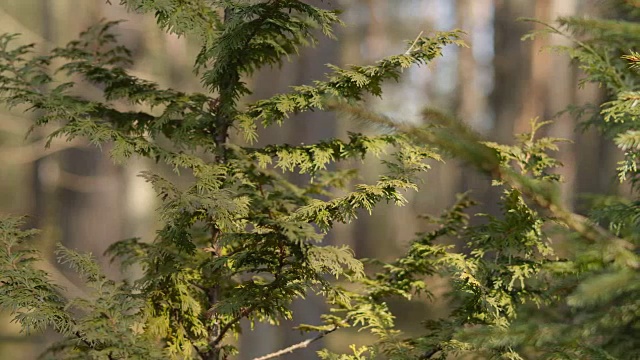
x: 230, y: 324
x: 90, y: 345
x: 300, y: 345
x: 410, y: 49
x: 213, y: 298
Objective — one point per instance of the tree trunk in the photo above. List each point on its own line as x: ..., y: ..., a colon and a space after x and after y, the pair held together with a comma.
x: 308, y: 128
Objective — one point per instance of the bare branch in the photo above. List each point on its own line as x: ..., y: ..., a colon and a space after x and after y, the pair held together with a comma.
x: 229, y: 325
x: 300, y: 345
x: 410, y: 49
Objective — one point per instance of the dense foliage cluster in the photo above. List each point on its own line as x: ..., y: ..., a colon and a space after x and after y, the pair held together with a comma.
x: 242, y: 241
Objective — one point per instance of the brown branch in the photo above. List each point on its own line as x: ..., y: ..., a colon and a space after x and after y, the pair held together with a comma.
x: 90, y: 345
x: 300, y: 345
x: 220, y: 131
x: 222, y: 331
x: 578, y: 223
x: 230, y: 324
x: 213, y: 327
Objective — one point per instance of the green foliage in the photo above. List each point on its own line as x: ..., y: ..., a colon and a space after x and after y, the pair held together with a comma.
x: 240, y: 241
x: 25, y: 288
x: 601, y: 48
x: 500, y: 269
x: 512, y: 297
x: 106, y: 323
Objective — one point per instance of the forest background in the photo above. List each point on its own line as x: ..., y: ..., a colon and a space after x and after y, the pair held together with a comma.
x: 75, y: 193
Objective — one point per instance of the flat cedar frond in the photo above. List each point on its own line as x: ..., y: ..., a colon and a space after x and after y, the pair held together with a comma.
x: 312, y: 158
x: 348, y: 84
x: 27, y: 292
x: 194, y: 19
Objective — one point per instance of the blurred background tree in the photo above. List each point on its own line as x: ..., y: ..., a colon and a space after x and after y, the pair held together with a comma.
x: 81, y: 199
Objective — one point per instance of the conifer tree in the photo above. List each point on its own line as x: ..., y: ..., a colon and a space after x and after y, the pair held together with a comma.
x: 239, y: 242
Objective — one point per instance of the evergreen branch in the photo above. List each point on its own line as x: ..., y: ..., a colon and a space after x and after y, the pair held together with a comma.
x: 197, y: 18
x: 90, y: 345
x: 540, y: 193
x: 27, y: 292
x: 221, y: 331
x: 300, y: 345
x: 543, y: 194
x: 347, y: 84
x: 580, y: 224
x: 410, y: 49
x: 452, y: 135
x: 220, y: 128
x: 24, y: 80
x: 572, y: 23
x: 315, y: 157
x: 255, y: 35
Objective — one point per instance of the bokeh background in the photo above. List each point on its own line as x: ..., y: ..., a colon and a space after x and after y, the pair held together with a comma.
x: 78, y: 197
